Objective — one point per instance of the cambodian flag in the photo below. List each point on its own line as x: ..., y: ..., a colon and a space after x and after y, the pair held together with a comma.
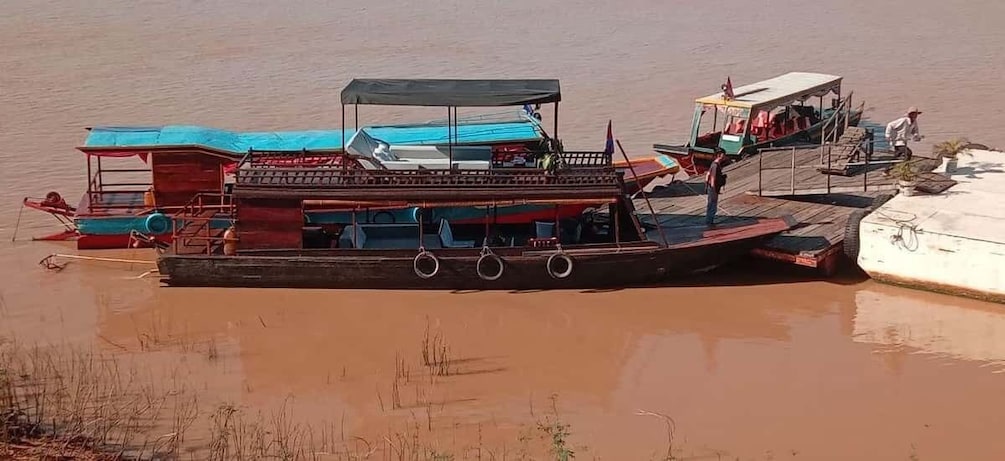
x: 727, y: 90
x: 609, y: 148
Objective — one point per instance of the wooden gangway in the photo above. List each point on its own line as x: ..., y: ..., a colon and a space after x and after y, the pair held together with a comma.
x: 780, y: 182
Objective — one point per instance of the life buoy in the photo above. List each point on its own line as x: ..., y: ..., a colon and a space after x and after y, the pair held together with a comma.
x: 157, y: 223
x: 489, y: 256
x: 426, y: 255
x: 551, y: 265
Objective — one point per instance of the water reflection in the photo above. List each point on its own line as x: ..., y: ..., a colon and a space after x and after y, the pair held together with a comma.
x: 902, y: 321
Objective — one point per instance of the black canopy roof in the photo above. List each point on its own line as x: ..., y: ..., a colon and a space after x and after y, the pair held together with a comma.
x: 451, y: 92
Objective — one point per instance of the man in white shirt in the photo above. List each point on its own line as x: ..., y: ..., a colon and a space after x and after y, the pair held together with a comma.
x: 898, y: 131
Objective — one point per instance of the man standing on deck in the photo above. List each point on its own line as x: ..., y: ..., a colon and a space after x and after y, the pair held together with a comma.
x: 714, y: 181
x: 898, y: 130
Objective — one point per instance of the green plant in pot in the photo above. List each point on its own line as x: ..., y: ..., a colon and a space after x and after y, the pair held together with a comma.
x: 907, y: 174
x: 949, y: 151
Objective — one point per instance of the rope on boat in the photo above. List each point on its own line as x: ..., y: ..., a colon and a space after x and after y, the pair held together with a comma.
x: 50, y: 263
x: 143, y: 275
x: 423, y: 254
x: 559, y: 254
x: 488, y: 254
x: 18, y: 224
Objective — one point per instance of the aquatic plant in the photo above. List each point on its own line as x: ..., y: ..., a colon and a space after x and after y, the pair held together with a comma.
x: 435, y: 353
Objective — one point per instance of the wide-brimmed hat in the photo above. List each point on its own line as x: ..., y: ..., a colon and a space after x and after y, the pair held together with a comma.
x: 913, y: 110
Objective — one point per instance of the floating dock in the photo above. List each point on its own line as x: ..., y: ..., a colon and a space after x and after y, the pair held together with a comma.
x: 787, y: 181
x: 951, y: 242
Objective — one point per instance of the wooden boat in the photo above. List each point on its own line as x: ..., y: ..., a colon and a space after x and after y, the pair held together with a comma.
x: 176, y: 163
x: 764, y: 114
x: 271, y: 244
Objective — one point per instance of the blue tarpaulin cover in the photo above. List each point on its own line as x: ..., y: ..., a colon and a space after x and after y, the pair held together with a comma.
x: 241, y: 142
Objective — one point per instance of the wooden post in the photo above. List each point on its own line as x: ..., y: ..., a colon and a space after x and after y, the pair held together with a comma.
x: 631, y: 167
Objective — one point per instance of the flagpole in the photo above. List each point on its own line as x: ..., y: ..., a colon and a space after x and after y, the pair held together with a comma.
x: 659, y: 228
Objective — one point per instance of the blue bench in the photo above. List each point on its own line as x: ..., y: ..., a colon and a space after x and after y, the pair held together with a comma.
x: 404, y: 235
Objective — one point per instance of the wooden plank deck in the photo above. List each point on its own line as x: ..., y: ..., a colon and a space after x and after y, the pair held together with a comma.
x: 819, y: 202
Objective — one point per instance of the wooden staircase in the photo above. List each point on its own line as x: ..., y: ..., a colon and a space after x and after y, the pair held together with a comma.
x: 849, y: 148
x: 194, y: 233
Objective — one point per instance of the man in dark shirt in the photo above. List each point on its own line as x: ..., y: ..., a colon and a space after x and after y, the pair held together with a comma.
x: 714, y: 181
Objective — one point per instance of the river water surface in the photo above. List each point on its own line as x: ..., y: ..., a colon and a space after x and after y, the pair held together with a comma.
x: 747, y: 367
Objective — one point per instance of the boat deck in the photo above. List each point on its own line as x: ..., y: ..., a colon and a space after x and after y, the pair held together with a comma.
x: 111, y: 203
x: 790, y: 183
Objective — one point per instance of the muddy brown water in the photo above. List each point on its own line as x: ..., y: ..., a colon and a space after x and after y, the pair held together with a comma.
x: 748, y: 367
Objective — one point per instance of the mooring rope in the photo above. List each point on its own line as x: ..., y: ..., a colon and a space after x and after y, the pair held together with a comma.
x: 49, y: 261
x: 18, y: 224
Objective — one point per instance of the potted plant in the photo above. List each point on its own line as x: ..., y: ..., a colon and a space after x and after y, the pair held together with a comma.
x: 949, y: 151
x: 907, y: 175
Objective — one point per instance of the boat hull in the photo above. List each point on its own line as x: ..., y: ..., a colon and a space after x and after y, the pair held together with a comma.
x: 114, y: 232
x: 524, y: 268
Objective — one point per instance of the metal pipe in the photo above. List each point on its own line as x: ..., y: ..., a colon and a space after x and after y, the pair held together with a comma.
x: 829, y: 149
x: 450, y: 142
x: 556, y: 120
x: 346, y: 205
x: 792, y: 184
x: 760, y: 169
x: 343, y: 138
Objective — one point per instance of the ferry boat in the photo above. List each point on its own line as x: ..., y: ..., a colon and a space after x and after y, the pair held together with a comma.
x: 769, y: 113
x: 271, y: 242
x: 178, y: 164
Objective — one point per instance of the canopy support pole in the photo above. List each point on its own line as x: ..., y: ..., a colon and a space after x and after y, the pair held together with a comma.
x: 90, y: 194
x: 556, y: 120
x: 344, y: 157
x: 450, y: 139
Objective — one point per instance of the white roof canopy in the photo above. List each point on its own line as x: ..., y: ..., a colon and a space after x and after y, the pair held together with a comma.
x: 778, y: 90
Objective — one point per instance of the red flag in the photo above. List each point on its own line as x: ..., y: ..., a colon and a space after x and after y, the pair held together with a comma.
x: 609, y: 147
x: 727, y: 89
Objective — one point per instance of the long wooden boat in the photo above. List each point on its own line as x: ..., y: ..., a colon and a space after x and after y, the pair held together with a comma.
x: 171, y: 165
x: 769, y: 113
x: 271, y: 243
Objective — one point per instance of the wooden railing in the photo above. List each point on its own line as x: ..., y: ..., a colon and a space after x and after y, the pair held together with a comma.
x: 98, y: 188
x: 823, y: 161
x: 328, y: 178
x: 579, y: 159
x: 841, y: 116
